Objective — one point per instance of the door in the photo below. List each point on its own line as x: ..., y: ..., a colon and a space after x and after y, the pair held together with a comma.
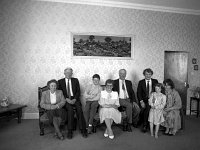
x: 175, y: 68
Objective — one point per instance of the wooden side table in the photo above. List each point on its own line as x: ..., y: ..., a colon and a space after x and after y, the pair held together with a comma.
x: 12, y: 111
x: 194, y: 110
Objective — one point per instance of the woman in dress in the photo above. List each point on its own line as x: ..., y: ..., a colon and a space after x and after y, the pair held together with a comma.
x: 109, y: 102
x: 92, y: 96
x: 53, y: 100
x: 157, y: 102
x: 172, y: 109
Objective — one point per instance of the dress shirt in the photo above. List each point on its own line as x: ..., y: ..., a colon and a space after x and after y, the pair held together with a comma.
x: 123, y: 94
x: 150, y: 85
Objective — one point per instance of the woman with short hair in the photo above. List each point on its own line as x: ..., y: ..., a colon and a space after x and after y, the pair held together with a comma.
x: 53, y: 100
x: 172, y: 109
x: 109, y: 102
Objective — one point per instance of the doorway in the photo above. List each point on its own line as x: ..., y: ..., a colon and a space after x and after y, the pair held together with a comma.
x: 176, y: 68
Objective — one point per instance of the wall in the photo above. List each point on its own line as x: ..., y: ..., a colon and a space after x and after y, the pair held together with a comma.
x: 35, y: 44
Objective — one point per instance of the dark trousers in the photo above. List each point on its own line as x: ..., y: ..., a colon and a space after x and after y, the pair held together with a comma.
x: 58, y: 113
x: 57, y: 116
x: 136, y: 113
x: 129, y: 108
x: 90, y: 111
x: 144, y: 114
x: 79, y: 114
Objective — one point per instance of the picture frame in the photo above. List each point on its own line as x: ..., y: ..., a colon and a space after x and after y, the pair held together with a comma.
x: 196, y: 67
x: 194, y: 61
x: 102, y: 46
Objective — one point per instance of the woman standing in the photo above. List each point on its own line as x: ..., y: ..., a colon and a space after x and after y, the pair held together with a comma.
x: 53, y: 100
x: 172, y: 109
x: 109, y: 102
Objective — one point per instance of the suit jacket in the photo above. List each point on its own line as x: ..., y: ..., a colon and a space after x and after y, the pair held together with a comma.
x: 129, y: 88
x: 75, y: 87
x: 141, y: 90
x: 46, y: 102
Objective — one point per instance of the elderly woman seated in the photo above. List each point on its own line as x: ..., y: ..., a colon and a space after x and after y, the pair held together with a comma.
x: 109, y: 102
x: 53, y: 100
x: 172, y: 109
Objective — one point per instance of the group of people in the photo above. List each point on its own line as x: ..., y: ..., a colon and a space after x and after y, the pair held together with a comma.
x: 152, y: 106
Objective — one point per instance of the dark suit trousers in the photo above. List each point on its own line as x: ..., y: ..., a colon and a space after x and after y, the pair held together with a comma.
x: 70, y: 116
x: 126, y: 103
x: 136, y: 113
x: 145, y: 114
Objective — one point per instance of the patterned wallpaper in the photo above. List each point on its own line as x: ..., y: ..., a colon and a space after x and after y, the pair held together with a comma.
x: 35, y: 44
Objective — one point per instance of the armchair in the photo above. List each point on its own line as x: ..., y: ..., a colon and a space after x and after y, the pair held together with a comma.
x: 43, y: 119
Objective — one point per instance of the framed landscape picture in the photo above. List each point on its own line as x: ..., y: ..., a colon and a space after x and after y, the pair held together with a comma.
x: 93, y: 45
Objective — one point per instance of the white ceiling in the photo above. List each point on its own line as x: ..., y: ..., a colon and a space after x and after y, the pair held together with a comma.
x: 184, y: 4
x: 175, y: 6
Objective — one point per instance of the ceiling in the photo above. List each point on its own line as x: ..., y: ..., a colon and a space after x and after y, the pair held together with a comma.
x: 184, y: 4
x: 175, y: 6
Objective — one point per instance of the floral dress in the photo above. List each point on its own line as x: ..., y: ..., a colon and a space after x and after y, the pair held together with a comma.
x: 156, y: 115
x: 109, y: 98
x: 172, y: 117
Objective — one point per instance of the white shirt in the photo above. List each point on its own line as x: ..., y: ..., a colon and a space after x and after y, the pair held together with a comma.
x: 53, y: 97
x: 122, y: 93
x: 70, y: 86
x: 150, y: 85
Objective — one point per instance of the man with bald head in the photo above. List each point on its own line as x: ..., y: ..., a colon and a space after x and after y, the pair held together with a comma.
x: 71, y: 91
x: 126, y: 97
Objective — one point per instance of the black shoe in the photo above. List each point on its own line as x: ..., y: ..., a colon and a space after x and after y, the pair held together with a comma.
x: 144, y: 129
x: 89, y: 130
x: 166, y: 133
x: 129, y: 128
x: 84, y: 134
x: 135, y: 125
x: 69, y: 134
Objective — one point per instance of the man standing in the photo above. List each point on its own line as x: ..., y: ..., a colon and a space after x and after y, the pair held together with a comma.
x: 144, y: 89
x: 126, y: 96
x: 71, y: 91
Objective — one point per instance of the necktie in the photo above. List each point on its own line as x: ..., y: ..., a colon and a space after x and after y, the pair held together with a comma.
x: 123, y: 88
x: 148, y: 88
x: 68, y: 90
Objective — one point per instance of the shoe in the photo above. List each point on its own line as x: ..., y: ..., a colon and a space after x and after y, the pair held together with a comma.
x: 61, y: 137
x: 55, y: 135
x: 105, y: 135
x: 135, y: 125
x: 69, y: 134
x: 172, y: 133
x: 89, y: 130
x: 166, y: 133
x: 84, y: 134
x: 129, y: 128
x: 111, y: 137
x: 144, y: 129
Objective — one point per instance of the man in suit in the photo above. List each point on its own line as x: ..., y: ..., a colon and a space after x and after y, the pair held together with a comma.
x: 144, y: 89
x: 126, y: 97
x: 71, y: 91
